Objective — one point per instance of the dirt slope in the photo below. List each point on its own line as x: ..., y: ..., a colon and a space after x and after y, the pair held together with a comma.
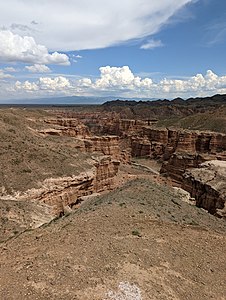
x: 27, y: 157
x: 138, y: 242
x: 213, y: 120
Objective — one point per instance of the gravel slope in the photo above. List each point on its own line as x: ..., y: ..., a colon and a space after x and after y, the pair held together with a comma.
x: 137, y: 242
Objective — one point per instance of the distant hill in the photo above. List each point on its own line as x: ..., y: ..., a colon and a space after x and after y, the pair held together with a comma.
x: 207, y: 113
x: 203, y: 101
x: 72, y: 100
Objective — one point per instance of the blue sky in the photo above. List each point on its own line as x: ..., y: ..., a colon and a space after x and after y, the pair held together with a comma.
x: 128, y: 48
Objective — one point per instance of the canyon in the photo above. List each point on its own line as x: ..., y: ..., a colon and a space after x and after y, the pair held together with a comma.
x: 95, y: 148
x: 93, y: 201
x: 177, y: 150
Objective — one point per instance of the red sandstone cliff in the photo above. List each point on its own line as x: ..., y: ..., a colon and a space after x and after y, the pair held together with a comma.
x: 69, y: 127
x: 62, y: 192
x: 179, y: 151
x: 207, y: 185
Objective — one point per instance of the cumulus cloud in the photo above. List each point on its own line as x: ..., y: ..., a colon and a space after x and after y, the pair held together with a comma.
x: 198, y: 84
x: 151, y: 44
x: 15, y: 48
x: 120, y: 81
x: 119, y: 78
x: 38, y: 69
x: 44, y: 84
x: 58, y: 83
x: 86, y: 24
x: 26, y: 86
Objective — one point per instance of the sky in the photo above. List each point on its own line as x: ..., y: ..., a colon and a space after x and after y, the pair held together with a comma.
x: 120, y: 48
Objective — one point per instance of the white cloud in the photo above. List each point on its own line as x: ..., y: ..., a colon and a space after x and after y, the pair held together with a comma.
x: 119, y: 78
x: 85, y: 83
x: 120, y: 81
x: 26, y: 86
x: 58, y: 83
x: 4, y: 75
x: 151, y: 44
x: 86, y: 24
x: 44, y: 86
x: 15, y: 48
x: 10, y: 69
x: 36, y: 68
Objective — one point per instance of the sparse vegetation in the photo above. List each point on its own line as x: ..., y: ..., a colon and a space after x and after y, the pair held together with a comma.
x: 136, y: 233
x: 138, y: 230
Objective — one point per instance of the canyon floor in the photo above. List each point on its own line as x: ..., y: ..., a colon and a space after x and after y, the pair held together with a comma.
x: 76, y: 224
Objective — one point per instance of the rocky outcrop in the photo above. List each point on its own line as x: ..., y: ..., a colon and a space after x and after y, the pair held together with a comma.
x: 178, y: 163
x: 207, y: 185
x: 63, y: 192
x: 108, y: 145
x: 188, y: 149
x: 106, y: 169
x: 143, y: 147
x: 183, y: 141
x: 181, y: 152
x: 66, y: 126
x: 171, y: 140
x: 143, y: 140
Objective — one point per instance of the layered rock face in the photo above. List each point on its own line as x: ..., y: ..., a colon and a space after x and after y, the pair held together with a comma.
x: 69, y: 127
x: 153, y: 142
x: 110, y: 124
x: 85, y: 141
x: 190, y: 149
x: 207, y: 185
x: 178, y: 163
x: 178, y: 150
x: 63, y: 192
x: 172, y: 141
x: 108, y: 145
x: 142, y: 140
x: 106, y: 169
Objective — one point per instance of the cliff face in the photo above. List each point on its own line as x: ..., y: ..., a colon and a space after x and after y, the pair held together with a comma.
x: 63, y: 192
x: 108, y: 145
x: 148, y: 141
x: 66, y: 126
x: 106, y: 169
x: 143, y: 140
x: 178, y: 163
x: 207, y: 185
x: 85, y: 140
x: 172, y: 141
x: 178, y: 150
x: 189, y: 149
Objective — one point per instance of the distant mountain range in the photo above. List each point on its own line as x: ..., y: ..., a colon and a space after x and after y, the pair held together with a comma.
x: 116, y: 101
x: 73, y: 100
x: 168, y: 109
x: 201, y: 101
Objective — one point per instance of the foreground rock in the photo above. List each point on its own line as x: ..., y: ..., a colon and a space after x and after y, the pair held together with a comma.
x: 207, y: 185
